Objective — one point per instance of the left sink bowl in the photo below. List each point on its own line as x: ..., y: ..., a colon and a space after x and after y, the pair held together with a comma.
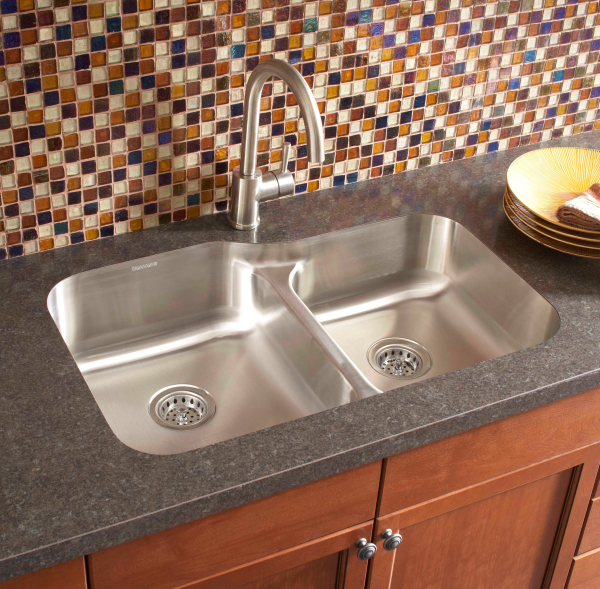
x: 202, y: 318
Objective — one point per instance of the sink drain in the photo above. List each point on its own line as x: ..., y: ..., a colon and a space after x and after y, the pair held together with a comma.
x: 398, y: 357
x: 182, y: 406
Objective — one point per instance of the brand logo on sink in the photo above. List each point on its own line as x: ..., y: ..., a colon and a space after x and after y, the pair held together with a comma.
x: 144, y: 266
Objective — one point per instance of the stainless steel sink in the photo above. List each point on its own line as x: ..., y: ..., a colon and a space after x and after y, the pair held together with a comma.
x: 200, y: 345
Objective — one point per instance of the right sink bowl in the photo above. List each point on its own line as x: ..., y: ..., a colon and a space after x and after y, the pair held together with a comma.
x: 418, y: 296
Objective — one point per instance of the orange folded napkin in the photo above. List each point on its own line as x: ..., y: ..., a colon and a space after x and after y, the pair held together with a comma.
x: 583, y: 211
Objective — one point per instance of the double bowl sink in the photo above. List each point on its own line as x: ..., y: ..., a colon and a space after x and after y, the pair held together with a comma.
x: 195, y: 346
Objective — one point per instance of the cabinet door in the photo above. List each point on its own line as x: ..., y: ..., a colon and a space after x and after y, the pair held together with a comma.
x: 504, y: 533
x: 330, y: 562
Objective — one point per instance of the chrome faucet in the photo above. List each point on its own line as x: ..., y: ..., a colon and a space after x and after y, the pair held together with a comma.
x: 249, y: 186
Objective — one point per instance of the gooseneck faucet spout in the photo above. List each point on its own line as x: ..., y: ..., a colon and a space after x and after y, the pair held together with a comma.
x: 249, y: 187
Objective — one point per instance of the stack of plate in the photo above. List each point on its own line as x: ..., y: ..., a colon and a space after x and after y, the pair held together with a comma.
x: 538, y: 182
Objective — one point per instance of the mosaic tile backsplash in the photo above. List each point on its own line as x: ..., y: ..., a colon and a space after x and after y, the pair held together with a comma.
x: 125, y: 114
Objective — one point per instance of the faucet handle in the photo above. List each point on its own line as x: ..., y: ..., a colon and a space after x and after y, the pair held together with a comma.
x: 285, y: 156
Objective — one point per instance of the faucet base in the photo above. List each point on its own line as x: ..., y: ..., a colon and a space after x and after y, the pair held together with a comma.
x: 243, y: 226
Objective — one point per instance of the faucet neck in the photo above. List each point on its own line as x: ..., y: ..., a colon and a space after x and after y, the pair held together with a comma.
x: 305, y: 99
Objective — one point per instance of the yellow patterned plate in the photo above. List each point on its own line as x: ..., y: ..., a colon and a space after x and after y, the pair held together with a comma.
x: 508, y: 206
x: 546, y: 178
x: 551, y: 243
x: 534, y: 221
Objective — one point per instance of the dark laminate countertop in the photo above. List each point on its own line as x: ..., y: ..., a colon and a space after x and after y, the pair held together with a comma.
x: 68, y: 487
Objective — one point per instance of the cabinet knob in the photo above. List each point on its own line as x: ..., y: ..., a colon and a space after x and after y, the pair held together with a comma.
x: 391, y: 540
x: 366, y: 550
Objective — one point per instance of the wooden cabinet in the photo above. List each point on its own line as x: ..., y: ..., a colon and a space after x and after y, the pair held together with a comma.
x: 66, y: 575
x: 497, y: 507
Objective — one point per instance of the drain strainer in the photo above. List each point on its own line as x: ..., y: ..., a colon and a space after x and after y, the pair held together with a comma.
x: 182, y: 406
x: 398, y: 357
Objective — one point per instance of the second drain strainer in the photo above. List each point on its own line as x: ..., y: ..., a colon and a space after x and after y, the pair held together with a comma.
x: 182, y: 406
x: 399, y: 357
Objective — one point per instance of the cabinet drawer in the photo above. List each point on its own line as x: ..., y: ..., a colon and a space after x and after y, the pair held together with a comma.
x: 590, y: 539
x: 67, y: 575
x: 585, y: 573
x: 200, y: 549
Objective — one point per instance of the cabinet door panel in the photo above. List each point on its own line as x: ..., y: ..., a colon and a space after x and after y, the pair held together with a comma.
x: 330, y: 562
x: 319, y: 574
x: 501, y: 542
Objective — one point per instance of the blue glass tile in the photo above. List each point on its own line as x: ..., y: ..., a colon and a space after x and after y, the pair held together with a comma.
x: 268, y: 32
x: 107, y: 231
x: 334, y: 78
x: 310, y: 25
x: 414, y: 36
x: 237, y: 110
x: 406, y: 117
x: 530, y: 56
x: 113, y: 25
x: 419, y: 101
x: 44, y: 218
x: 51, y: 98
x: 339, y: 180
x: 377, y: 160
x: 26, y: 193
x: 295, y: 56
x: 8, y: 6
x: 63, y: 33
x: 486, y: 125
x: 381, y: 122
x: 77, y: 237
x: 493, y: 146
x: 465, y: 28
x: 134, y: 157
x: 116, y: 87
x: 377, y: 29
x: 33, y: 85
x: 61, y: 228
x: 429, y: 20
x: 558, y: 76
x: 22, y: 149
x: 193, y: 199
x: 277, y: 129
x: 90, y: 208
x: 15, y: 251
x: 11, y: 40
x: 388, y: 41
x: 150, y: 168
x: 164, y: 138
x: 178, y: 46
x: 429, y: 125
x: 352, y: 177
x: 148, y: 82
x: 366, y: 16
x: 98, y: 43
x: 238, y: 51
x: 514, y: 84
x: 402, y: 155
x: 37, y: 132
x: 300, y: 188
